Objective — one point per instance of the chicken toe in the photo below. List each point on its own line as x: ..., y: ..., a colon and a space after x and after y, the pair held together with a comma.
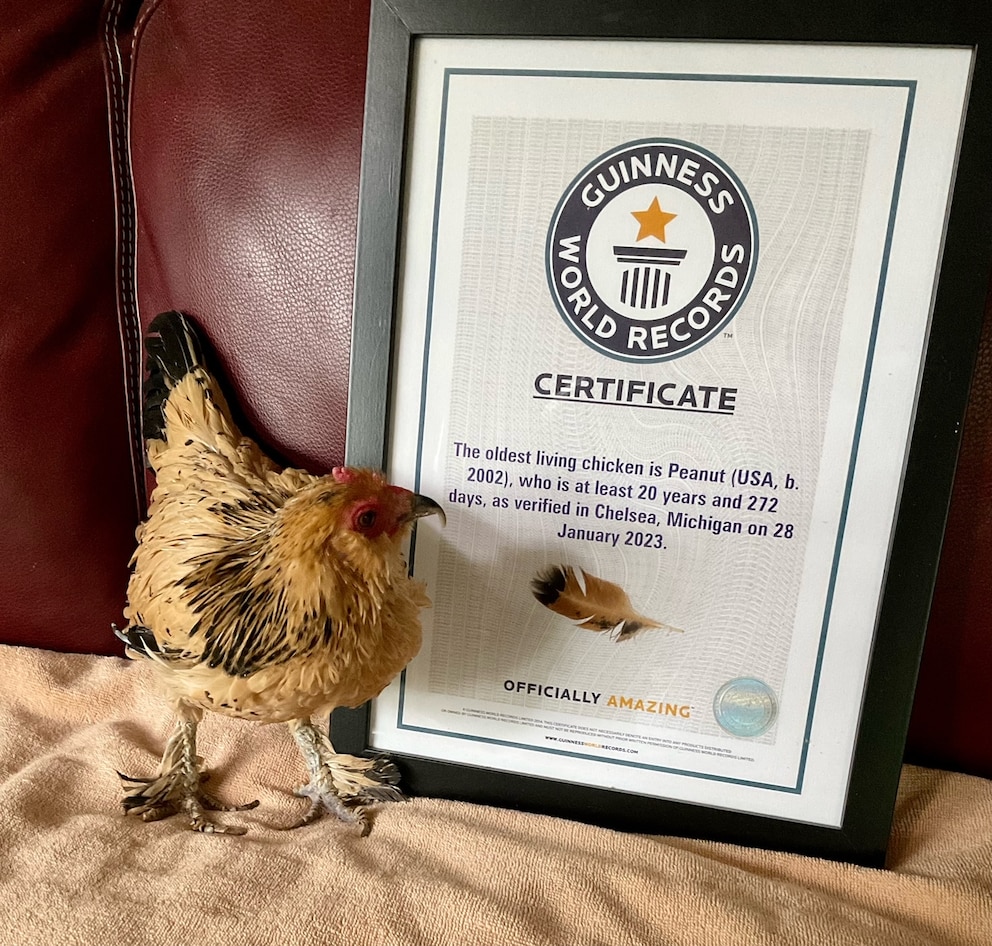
x: 341, y: 785
x: 177, y: 788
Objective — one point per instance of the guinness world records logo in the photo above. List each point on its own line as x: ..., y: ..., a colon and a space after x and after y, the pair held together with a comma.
x: 651, y: 250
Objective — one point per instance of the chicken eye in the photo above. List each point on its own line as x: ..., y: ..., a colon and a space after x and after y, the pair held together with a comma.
x: 365, y: 520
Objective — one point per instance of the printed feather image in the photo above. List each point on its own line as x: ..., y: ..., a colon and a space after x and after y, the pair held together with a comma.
x: 261, y: 593
x: 594, y: 603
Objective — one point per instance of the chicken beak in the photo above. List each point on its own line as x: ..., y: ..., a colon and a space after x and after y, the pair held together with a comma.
x: 425, y: 506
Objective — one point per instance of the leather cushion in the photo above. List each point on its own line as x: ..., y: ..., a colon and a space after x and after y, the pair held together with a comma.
x: 246, y: 137
x: 67, y: 497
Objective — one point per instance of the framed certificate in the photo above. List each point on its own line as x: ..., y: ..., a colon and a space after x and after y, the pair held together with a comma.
x: 676, y: 321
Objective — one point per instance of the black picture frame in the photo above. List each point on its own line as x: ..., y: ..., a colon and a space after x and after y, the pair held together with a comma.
x: 957, y: 311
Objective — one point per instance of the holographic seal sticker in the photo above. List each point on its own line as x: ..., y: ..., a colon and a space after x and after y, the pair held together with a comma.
x: 745, y: 707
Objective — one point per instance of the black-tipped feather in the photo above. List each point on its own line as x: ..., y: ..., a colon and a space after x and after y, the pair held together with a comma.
x: 591, y: 602
x: 173, y: 347
x: 548, y: 585
x: 141, y: 642
x: 139, y: 639
x: 388, y: 776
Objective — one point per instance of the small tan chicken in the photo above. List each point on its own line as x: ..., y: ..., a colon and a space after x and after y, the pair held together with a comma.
x: 261, y: 593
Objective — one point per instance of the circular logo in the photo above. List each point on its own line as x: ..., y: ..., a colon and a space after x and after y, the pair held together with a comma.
x: 745, y: 707
x: 651, y: 250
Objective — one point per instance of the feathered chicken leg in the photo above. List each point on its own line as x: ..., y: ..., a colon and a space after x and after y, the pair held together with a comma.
x: 177, y: 786
x: 341, y: 784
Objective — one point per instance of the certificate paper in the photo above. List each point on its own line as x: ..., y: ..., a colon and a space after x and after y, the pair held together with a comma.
x: 661, y: 319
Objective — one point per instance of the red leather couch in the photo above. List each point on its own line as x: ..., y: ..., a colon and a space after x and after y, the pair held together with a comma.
x: 239, y: 124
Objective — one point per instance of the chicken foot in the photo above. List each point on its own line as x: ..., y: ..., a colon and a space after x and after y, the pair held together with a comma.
x: 341, y: 784
x: 177, y: 788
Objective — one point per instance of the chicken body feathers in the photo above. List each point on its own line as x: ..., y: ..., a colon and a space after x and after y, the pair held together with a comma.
x: 252, y: 614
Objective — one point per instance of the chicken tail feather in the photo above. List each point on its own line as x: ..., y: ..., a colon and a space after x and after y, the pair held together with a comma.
x: 173, y: 349
x: 184, y: 398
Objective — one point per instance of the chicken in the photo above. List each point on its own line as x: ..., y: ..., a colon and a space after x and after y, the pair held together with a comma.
x: 261, y: 593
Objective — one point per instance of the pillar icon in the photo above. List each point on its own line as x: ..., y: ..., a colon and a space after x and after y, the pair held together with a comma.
x: 646, y: 279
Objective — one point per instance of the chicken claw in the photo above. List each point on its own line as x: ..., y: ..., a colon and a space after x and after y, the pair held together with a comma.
x: 177, y: 788
x: 327, y: 801
x: 341, y: 785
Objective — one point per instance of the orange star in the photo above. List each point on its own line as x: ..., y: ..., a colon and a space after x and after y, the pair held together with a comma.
x: 652, y: 221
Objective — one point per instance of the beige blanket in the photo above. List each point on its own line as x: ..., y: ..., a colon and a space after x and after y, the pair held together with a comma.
x: 73, y: 870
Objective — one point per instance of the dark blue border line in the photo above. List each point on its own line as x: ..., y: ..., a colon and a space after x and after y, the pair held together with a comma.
x: 855, y: 447
x: 629, y: 763
x: 679, y: 76
x: 427, y: 349
x: 910, y: 86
